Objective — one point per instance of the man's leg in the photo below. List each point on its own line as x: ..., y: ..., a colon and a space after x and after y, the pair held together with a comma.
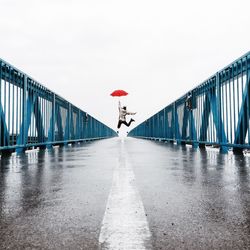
x: 125, y: 123
x: 131, y: 120
x: 128, y: 124
x: 122, y: 122
x: 119, y: 124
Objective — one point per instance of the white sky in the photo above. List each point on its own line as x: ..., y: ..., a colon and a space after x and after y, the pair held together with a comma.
x: 155, y: 50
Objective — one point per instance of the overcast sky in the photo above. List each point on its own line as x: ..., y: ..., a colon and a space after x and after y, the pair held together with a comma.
x: 155, y: 50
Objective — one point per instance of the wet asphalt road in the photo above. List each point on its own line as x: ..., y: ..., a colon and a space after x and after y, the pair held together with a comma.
x: 192, y: 199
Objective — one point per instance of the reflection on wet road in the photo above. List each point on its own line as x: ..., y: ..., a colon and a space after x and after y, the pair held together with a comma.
x: 58, y: 199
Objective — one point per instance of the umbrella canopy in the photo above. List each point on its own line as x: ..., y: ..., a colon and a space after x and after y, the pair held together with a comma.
x: 119, y: 92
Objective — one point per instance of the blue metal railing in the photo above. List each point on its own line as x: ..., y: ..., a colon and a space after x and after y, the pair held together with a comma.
x: 214, y: 113
x: 32, y: 115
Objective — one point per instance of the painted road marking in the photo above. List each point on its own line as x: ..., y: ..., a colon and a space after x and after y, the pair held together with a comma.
x: 124, y: 224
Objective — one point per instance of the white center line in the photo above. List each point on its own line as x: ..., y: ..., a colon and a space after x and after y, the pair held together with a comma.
x: 124, y: 224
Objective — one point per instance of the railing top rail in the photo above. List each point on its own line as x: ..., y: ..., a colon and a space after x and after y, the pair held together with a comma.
x: 200, y: 85
x: 41, y: 86
x: 34, y: 80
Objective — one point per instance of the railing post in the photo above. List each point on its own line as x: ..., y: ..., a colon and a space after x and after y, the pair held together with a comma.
x: 86, y: 129
x: 1, y: 136
x: 191, y: 134
x: 176, y: 125
x: 173, y: 123
x: 53, y: 117
x: 69, y: 121
x: 79, y: 125
x: 89, y: 126
x: 25, y: 122
x: 223, y: 149
x: 218, y: 125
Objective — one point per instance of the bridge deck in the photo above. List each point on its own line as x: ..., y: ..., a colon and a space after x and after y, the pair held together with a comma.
x: 125, y: 194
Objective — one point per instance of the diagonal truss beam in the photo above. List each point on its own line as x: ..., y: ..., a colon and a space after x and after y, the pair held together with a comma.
x: 59, y: 122
x: 38, y: 120
x: 211, y: 105
x: 33, y: 106
x: 243, y: 121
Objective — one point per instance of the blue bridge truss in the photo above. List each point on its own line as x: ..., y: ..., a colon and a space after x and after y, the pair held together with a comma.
x: 214, y: 113
x: 34, y: 116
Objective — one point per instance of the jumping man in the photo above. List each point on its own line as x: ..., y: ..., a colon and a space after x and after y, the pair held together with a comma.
x: 122, y: 116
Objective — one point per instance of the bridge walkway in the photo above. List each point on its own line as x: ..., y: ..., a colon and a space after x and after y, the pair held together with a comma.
x: 125, y: 194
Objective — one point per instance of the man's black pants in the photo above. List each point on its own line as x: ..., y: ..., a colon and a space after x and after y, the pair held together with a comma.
x: 124, y: 122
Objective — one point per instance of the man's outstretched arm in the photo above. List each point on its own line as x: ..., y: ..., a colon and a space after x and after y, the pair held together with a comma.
x: 131, y: 113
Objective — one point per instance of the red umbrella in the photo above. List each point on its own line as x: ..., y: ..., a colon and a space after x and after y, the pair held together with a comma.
x: 119, y: 92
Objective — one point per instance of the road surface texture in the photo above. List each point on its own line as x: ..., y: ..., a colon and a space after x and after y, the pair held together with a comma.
x: 124, y: 193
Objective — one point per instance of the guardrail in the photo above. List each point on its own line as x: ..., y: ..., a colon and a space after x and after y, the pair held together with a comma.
x: 214, y: 113
x: 34, y: 116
